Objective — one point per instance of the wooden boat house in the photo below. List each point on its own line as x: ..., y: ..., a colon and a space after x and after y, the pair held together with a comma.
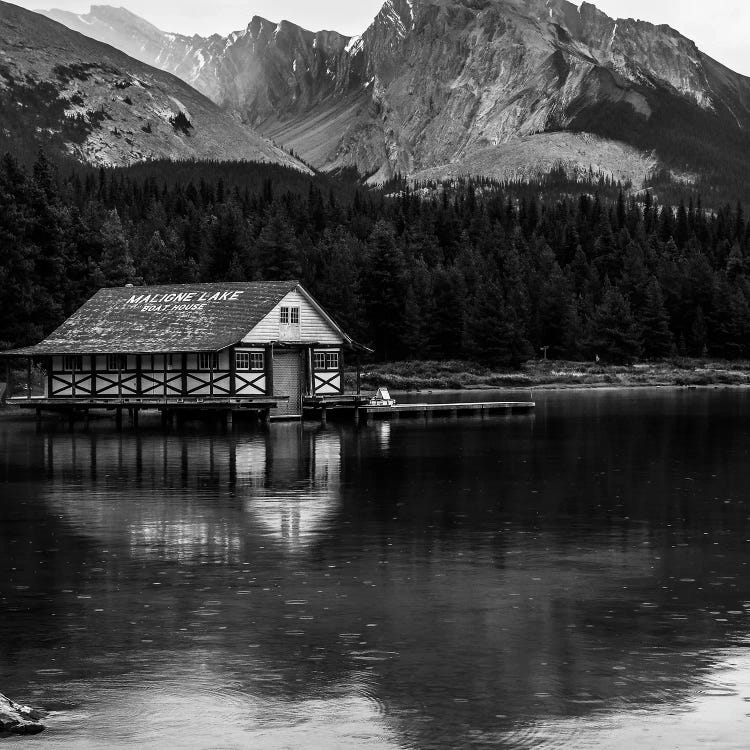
x: 264, y: 346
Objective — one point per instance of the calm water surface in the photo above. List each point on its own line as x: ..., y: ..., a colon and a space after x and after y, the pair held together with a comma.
x: 574, y: 579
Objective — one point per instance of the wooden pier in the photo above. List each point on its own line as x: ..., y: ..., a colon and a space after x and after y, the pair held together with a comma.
x: 480, y: 407
x: 356, y: 407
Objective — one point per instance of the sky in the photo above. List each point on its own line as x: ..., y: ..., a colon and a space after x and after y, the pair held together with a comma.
x: 720, y: 28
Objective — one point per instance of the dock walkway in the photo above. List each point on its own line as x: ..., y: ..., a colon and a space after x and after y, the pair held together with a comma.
x: 514, y: 407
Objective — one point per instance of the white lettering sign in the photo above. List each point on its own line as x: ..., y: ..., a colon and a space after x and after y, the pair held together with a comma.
x: 180, y: 302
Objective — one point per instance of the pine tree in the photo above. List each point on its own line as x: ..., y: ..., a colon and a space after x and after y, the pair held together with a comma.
x: 494, y: 334
x: 654, y: 323
x: 277, y: 249
x: 613, y: 334
x: 116, y: 262
x: 383, y: 289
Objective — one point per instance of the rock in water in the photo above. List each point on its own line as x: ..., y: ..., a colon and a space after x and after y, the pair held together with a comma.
x: 17, y: 719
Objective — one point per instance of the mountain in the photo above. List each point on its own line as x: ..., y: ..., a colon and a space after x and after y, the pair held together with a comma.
x: 89, y: 100
x: 262, y: 70
x: 437, y: 88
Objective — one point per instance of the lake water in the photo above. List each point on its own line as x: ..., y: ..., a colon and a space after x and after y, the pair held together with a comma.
x: 579, y: 578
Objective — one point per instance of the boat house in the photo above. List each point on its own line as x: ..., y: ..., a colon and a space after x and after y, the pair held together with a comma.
x: 268, y: 347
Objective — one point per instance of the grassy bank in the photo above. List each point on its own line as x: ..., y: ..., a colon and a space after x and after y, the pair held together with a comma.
x: 458, y: 375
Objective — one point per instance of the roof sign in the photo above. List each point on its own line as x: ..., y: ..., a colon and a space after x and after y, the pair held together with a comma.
x: 173, y: 302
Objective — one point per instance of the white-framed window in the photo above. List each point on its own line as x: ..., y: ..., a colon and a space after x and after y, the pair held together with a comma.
x: 326, y: 361
x: 72, y: 363
x: 289, y: 315
x: 208, y: 361
x: 116, y: 362
x: 250, y: 361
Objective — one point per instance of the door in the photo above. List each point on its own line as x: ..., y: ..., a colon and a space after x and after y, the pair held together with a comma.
x: 288, y: 373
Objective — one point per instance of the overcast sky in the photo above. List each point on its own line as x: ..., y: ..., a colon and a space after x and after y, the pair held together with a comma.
x: 720, y: 28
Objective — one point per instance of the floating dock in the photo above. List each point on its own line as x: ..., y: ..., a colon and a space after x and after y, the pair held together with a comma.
x: 479, y: 407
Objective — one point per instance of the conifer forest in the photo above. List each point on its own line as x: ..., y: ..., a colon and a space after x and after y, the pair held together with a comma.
x: 473, y: 270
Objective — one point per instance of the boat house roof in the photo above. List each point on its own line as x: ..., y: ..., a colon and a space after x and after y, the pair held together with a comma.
x: 168, y: 318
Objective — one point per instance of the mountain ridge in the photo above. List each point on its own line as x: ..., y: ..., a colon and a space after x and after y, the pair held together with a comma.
x: 432, y: 84
x: 93, y: 102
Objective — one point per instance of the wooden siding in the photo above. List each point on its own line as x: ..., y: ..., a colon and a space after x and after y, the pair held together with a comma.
x: 313, y: 327
x: 328, y: 382
x: 155, y: 376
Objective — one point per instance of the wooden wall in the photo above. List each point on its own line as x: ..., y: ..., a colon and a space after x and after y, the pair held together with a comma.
x: 313, y: 327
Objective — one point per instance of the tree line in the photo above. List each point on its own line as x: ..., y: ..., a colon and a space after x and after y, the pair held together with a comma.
x: 471, y: 270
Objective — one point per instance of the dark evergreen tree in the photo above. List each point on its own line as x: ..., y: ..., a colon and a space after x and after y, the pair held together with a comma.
x: 383, y: 289
x: 277, y: 249
x: 613, y: 334
x: 653, y: 320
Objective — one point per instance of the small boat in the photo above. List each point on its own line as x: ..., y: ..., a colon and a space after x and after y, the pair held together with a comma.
x: 382, y: 398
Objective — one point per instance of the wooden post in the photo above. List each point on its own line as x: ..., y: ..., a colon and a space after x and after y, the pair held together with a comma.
x: 93, y: 376
x: 86, y: 420
x: 230, y: 420
x: 323, y: 415
x: 232, y: 372
x: 8, y: 380
x: 269, y: 370
x: 135, y: 418
x: 164, y: 419
x: 118, y: 418
x: 310, y: 372
x: 139, y: 372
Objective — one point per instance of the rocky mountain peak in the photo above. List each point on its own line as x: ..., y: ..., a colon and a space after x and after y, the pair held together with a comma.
x: 457, y: 84
x: 74, y: 94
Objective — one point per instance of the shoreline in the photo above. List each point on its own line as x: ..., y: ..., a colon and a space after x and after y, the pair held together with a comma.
x: 405, y: 377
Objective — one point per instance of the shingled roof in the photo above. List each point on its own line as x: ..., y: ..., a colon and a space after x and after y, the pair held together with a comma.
x: 167, y: 318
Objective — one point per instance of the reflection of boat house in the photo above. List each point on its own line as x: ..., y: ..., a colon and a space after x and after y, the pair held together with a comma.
x: 264, y: 346
x: 193, y: 500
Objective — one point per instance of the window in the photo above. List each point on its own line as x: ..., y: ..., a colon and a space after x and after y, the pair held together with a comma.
x: 73, y: 363
x: 116, y: 362
x: 289, y: 315
x: 208, y: 361
x: 326, y: 361
x: 247, y: 361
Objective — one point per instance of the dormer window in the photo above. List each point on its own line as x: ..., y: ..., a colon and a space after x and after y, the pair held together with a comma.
x: 289, y: 316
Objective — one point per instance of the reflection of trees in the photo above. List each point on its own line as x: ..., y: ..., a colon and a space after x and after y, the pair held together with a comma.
x: 473, y: 576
